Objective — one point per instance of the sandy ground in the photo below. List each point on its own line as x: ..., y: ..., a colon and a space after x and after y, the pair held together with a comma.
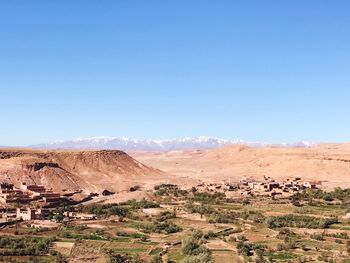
x: 64, y: 248
x: 95, y: 171
x: 44, y: 223
x: 219, y: 244
x: 327, y: 163
x: 152, y: 211
x: 96, y: 226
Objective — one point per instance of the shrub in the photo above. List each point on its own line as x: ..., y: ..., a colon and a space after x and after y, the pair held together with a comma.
x: 165, y: 215
x: 141, y: 204
x: 242, y: 238
x: 157, y: 259
x: 200, y: 258
x: 169, y: 189
x: 286, y: 232
x: 316, y: 236
x: 194, y: 251
x: 61, y: 258
x: 160, y: 227
x: 105, y: 210
x: 24, y: 246
x: 300, y: 221
x: 205, y: 197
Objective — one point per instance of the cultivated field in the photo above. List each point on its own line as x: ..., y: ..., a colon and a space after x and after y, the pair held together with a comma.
x: 189, y: 226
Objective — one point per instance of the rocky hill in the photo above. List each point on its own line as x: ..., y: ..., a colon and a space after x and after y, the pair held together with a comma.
x: 91, y: 171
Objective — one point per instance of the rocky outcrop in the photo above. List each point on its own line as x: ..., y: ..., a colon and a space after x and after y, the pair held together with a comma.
x: 90, y: 171
x: 36, y: 166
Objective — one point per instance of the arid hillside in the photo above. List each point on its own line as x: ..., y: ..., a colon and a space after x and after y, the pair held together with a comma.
x: 97, y: 170
x: 328, y: 163
x: 91, y: 171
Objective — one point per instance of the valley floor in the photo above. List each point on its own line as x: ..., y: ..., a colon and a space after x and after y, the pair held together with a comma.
x: 177, y: 226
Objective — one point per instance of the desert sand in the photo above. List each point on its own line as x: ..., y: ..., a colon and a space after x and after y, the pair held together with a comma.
x: 326, y: 163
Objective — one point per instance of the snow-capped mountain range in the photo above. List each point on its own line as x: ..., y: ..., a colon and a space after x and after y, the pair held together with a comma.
x: 127, y: 144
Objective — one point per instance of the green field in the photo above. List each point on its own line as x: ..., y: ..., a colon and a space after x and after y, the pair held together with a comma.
x: 204, y: 227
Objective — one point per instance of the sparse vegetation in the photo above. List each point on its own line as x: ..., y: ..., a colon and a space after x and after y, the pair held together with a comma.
x: 196, y: 227
x: 160, y: 227
x: 168, y: 190
x: 194, y: 250
x: 24, y: 246
x: 300, y: 221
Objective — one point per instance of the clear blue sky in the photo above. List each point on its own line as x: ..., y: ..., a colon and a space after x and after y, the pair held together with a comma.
x: 275, y: 71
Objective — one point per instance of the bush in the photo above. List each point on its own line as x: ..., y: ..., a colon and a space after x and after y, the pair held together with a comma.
x: 205, y: 197
x: 242, y: 238
x: 200, y: 258
x: 316, y: 236
x: 157, y: 259
x: 160, y: 227
x: 341, y: 235
x: 169, y: 189
x: 244, y: 249
x: 165, y: 215
x: 105, y: 210
x: 24, y: 246
x: 300, y: 221
x: 120, y: 258
x: 194, y: 251
x: 247, y: 249
x: 200, y: 209
x: 61, y: 258
x: 141, y: 204
x: 336, y: 194
x: 286, y: 232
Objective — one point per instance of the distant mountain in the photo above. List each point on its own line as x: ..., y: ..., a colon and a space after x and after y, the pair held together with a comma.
x: 126, y: 144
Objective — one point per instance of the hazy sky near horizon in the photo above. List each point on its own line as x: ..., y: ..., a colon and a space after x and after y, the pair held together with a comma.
x: 273, y: 71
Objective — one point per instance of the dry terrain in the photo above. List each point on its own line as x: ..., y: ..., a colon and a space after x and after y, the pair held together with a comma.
x: 176, y: 223
x: 97, y: 170
x: 326, y: 163
x: 90, y: 171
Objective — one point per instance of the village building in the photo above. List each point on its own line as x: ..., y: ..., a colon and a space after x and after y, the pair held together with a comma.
x: 271, y: 185
x: 257, y: 186
x: 27, y: 214
x: 27, y: 193
x: 79, y: 216
x: 309, y: 185
x: 40, y: 192
x: 7, y: 215
x: 23, y: 214
x: 8, y: 194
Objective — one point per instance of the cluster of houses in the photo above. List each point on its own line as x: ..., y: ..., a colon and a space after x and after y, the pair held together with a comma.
x: 216, y: 187
x: 12, y: 196
x: 25, y: 214
x: 273, y: 188
x: 26, y: 193
x: 8, y: 215
x: 253, y: 187
x: 18, y: 206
